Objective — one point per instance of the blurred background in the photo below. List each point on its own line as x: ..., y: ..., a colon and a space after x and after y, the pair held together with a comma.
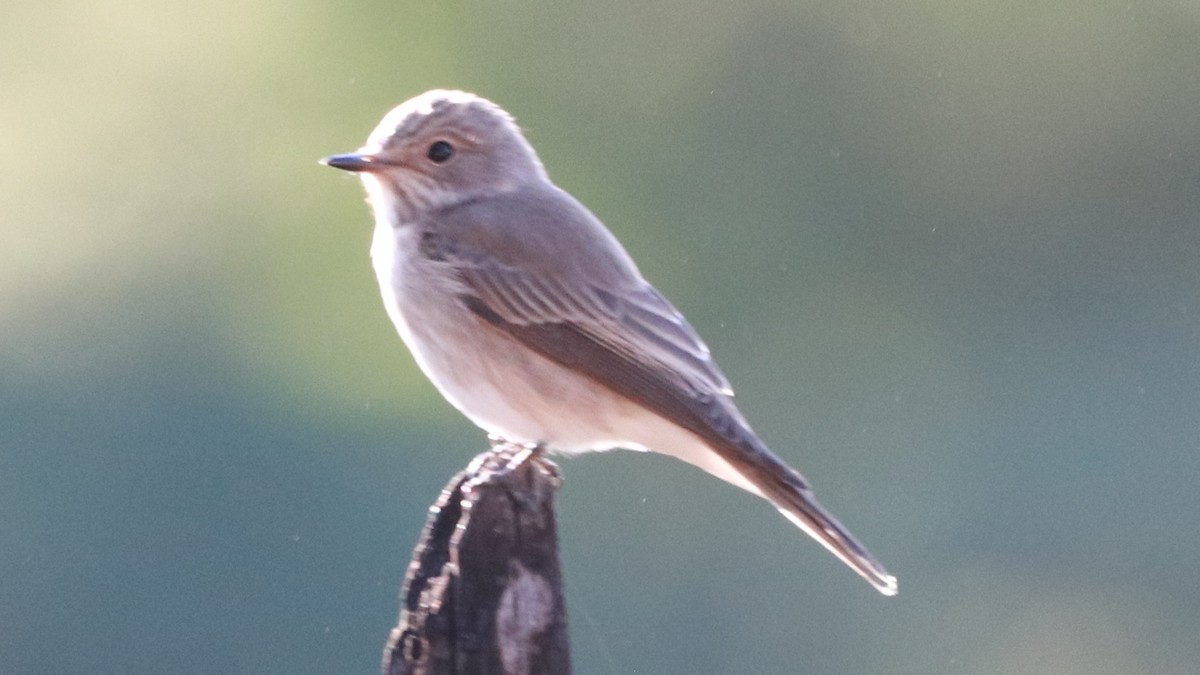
x: 946, y: 251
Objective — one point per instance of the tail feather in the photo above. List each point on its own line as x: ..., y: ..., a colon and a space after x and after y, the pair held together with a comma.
x: 807, y: 513
x: 737, y: 456
x: 789, y: 492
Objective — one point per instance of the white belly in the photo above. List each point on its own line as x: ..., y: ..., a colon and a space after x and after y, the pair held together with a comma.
x: 504, y: 387
x: 499, y: 384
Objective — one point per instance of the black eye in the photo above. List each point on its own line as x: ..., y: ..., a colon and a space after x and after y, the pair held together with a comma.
x: 440, y: 151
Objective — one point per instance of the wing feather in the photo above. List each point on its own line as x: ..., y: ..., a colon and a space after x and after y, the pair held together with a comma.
x: 605, y: 322
x: 633, y: 342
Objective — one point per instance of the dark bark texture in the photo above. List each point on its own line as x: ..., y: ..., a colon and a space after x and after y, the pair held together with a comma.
x: 483, y: 594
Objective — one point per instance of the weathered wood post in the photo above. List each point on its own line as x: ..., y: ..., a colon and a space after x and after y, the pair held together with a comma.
x: 483, y: 593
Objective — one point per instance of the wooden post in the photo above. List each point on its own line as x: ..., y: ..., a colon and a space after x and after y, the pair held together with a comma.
x: 483, y: 594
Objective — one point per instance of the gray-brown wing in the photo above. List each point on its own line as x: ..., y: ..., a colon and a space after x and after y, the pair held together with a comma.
x: 632, y: 341
x: 635, y: 343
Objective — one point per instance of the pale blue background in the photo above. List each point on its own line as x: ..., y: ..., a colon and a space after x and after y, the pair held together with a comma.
x: 947, y: 252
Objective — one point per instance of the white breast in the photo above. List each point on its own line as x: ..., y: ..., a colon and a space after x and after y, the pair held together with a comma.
x: 499, y: 384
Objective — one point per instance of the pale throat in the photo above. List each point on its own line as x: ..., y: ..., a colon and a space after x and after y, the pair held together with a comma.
x: 384, y: 202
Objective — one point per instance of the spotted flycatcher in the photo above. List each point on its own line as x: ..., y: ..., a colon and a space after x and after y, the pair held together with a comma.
x: 533, y: 321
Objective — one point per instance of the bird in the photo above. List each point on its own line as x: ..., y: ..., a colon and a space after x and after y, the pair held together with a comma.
x: 531, y: 319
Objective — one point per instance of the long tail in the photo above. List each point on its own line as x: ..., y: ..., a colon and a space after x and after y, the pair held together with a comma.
x: 807, y: 513
x: 788, y: 491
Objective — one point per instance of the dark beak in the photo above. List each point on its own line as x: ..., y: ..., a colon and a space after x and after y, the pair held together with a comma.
x: 354, y: 162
